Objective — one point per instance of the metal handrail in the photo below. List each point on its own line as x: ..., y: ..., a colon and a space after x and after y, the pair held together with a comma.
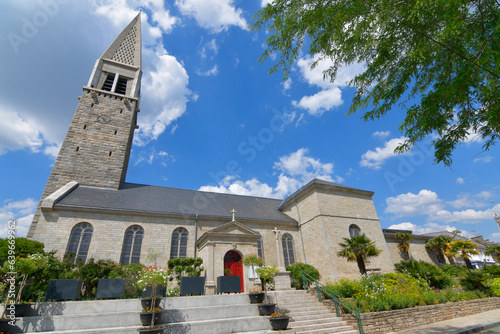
x: 337, y: 300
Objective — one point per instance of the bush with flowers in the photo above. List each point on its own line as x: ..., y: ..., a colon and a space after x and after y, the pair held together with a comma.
x: 282, y: 314
x: 252, y: 260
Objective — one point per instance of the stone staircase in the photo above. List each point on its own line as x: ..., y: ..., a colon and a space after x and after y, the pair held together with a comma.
x: 308, y: 315
x: 198, y: 314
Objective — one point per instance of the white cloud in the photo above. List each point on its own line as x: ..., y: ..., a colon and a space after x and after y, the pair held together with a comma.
x: 18, y: 133
x: 22, y: 211
x: 214, y: 15
x: 495, y: 237
x: 165, y: 93
x: 469, y: 216
x: 381, y: 134
x: 426, y: 228
x: 330, y: 94
x: 485, y: 159
x: 211, y: 72
x: 296, y: 170
x: 465, y: 200
x: 428, y: 203
x: 404, y: 205
x: 210, y: 46
x: 287, y: 84
x: 264, y: 3
x: 375, y: 159
x: 460, y: 180
x: 150, y: 156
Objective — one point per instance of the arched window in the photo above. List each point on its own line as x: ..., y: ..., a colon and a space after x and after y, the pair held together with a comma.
x: 132, y: 242
x: 288, y: 249
x: 259, y: 248
x: 179, y: 243
x: 79, y: 241
x: 354, y: 231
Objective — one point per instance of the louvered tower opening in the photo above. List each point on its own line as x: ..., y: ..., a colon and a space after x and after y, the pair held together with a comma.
x: 121, y: 86
x: 108, y: 83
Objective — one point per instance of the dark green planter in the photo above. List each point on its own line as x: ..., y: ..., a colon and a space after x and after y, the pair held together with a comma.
x: 146, y: 302
x: 5, y: 327
x: 64, y: 289
x: 23, y: 309
x: 256, y: 298
x: 192, y: 286
x: 267, y: 309
x: 228, y: 284
x: 146, y: 318
x: 279, y: 323
x: 151, y: 331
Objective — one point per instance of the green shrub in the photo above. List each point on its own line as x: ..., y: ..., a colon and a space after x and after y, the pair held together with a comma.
x: 344, y: 287
x: 474, y: 280
x: 493, y: 270
x: 296, y: 274
x: 185, y: 267
x: 24, y: 248
x: 453, y: 270
x: 420, y: 269
x: 495, y: 286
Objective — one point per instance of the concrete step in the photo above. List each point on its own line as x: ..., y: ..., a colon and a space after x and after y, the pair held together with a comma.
x: 337, y: 321
x: 220, y: 326
x: 328, y: 331
x: 334, y: 327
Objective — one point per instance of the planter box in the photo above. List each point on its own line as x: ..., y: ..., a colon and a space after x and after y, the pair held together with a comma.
x: 110, y: 288
x: 227, y: 284
x: 192, y: 286
x: 161, y: 291
x: 146, y: 318
x: 267, y: 309
x: 64, y: 289
x: 256, y: 298
x: 279, y: 323
x: 146, y: 302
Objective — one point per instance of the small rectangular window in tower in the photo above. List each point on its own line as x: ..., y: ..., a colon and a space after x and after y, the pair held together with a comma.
x: 121, y: 86
x: 116, y: 131
x: 110, y: 153
x: 108, y: 84
x: 85, y: 127
x: 77, y: 148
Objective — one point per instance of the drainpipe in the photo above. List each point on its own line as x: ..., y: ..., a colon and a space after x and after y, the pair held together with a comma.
x: 195, y: 234
x: 300, y: 230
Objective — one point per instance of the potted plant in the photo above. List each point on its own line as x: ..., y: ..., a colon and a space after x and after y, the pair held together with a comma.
x: 279, y: 320
x: 256, y: 296
x: 7, y: 322
x: 147, y: 314
x: 153, y: 276
x: 267, y: 273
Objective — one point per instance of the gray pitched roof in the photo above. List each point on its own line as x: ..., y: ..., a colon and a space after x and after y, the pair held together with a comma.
x: 163, y: 200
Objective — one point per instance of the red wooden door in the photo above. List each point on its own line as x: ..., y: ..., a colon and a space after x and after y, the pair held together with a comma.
x: 232, y: 262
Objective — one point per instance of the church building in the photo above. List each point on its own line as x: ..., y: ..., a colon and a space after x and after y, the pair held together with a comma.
x: 89, y: 210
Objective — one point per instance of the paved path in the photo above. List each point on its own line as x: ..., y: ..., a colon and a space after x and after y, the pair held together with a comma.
x: 465, y: 325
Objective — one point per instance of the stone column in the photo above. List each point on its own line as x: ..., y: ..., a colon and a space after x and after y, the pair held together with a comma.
x: 282, y: 278
x: 210, y: 287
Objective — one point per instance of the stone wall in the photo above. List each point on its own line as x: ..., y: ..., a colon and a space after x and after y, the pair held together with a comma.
x: 398, y: 320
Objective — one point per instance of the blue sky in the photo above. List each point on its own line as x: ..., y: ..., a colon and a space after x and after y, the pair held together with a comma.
x: 212, y: 118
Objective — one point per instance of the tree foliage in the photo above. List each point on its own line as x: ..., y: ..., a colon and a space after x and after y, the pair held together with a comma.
x: 443, y: 53
x: 404, y: 245
x: 358, y: 249
x: 463, y: 248
x: 441, y: 245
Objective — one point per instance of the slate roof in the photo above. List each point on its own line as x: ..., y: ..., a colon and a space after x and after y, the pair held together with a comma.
x: 163, y: 200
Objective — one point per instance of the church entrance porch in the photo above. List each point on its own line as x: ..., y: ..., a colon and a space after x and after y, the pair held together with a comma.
x: 233, y: 266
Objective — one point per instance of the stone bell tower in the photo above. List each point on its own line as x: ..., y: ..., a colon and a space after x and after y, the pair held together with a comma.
x: 97, y: 146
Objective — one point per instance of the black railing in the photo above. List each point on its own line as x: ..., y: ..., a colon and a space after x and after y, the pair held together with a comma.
x: 339, y: 302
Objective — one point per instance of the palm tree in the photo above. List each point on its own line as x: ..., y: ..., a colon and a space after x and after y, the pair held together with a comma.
x: 403, y: 244
x: 440, y: 245
x: 464, y: 249
x: 494, y: 251
x: 358, y: 248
